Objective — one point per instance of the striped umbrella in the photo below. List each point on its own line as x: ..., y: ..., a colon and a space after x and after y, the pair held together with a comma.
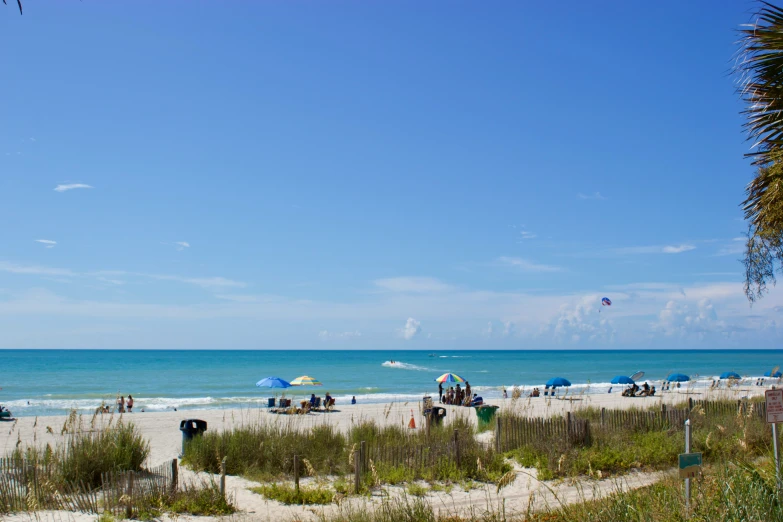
x: 449, y: 377
x: 304, y: 380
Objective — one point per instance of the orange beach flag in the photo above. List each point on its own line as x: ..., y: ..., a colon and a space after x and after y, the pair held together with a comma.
x: 412, y: 423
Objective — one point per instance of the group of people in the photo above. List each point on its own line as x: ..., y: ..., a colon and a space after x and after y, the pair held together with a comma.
x: 459, y: 396
x: 635, y: 391
x: 125, y: 406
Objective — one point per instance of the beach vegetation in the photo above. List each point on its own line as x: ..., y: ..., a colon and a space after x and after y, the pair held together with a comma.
x: 88, y: 452
x: 267, y: 450
x: 417, y: 489
x: 288, y: 494
x: 760, y: 74
x: 723, y: 493
x: 726, y: 433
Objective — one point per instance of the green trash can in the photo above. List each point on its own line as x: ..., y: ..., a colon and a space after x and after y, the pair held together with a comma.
x: 485, y: 414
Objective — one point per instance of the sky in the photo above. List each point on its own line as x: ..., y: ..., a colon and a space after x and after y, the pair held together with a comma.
x: 374, y: 175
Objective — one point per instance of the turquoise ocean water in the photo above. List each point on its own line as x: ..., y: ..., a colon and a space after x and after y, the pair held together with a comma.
x: 51, y: 382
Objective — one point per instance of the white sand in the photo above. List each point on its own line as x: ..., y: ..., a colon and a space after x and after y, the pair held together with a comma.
x: 162, y: 430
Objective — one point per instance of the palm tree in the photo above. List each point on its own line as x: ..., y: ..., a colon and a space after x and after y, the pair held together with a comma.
x: 760, y: 70
x: 18, y: 2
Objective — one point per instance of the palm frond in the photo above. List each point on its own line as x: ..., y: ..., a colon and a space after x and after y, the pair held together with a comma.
x: 760, y: 69
x: 18, y: 2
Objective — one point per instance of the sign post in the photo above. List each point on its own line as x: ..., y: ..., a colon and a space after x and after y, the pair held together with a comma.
x: 774, y: 399
x: 689, y: 465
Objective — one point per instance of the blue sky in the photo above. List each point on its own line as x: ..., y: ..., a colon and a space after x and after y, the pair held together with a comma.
x: 373, y: 175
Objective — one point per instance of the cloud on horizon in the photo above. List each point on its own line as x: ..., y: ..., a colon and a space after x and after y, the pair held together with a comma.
x: 411, y: 329
x: 71, y: 186
x: 654, y: 249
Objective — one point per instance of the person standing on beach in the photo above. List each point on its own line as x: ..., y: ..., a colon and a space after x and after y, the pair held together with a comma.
x: 121, y: 405
x: 440, y: 391
x: 130, y: 403
x: 467, y: 391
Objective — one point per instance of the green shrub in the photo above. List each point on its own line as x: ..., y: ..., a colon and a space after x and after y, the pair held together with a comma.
x: 287, y: 494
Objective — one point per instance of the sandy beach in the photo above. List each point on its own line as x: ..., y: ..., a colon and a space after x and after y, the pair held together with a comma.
x: 162, y: 431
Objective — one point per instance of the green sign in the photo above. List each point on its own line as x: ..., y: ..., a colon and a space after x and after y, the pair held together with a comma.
x: 690, y: 464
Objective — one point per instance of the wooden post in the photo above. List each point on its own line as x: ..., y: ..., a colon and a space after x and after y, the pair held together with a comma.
x: 498, y: 429
x: 357, y: 471
x: 568, y: 426
x: 363, y: 452
x: 428, y: 420
x: 603, y: 412
x: 296, y: 473
x: 690, y: 405
x: 223, y: 477
x: 174, y: 477
x: 129, y: 492
x: 456, y: 446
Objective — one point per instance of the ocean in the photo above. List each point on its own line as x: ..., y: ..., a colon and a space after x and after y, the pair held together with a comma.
x: 53, y: 382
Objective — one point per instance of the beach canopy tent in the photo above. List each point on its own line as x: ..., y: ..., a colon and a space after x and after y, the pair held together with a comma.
x: 730, y: 375
x: 558, y: 381
x: 622, y: 379
x: 771, y: 374
x: 450, y: 377
x: 305, y: 380
x: 677, y: 377
x: 273, y: 382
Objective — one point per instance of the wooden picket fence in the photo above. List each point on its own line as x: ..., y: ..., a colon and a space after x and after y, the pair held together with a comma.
x: 643, y: 420
x: 514, y: 432
x: 414, y: 457
x: 31, y: 487
x: 123, y: 491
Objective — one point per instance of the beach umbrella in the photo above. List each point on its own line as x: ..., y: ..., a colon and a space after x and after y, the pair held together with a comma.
x: 558, y: 381
x: 622, y: 379
x: 730, y: 375
x: 638, y: 375
x: 450, y: 377
x: 273, y: 382
x: 677, y: 377
x: 773, y: 374
x: 305, y: 380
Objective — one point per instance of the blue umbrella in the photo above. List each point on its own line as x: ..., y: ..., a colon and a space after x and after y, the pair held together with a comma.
x: 273, y: 382
x: 770, y: 374
x: 677, y: 377
x: 622, y: 379
x: 730, y: 375
x: 558, y: 381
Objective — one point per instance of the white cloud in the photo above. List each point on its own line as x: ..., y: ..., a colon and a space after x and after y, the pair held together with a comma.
x: 71, y: 186
x: 525, y: 265
x: 203, y: 282
x: 412, y: 284
x: 594, y: 195
x: 411, y: 329
x: 683, y: 319
x: 34, y: 270
x: 326, y: 335
x: 489, y: 330
x: 524, y: 234
x: 581, y: 322
x: 654, y: 249
x: 678, y: 249
x: 182, y: 245
x: 46, y: 242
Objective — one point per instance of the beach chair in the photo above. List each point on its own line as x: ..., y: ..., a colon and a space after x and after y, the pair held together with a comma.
x: 270, y: 403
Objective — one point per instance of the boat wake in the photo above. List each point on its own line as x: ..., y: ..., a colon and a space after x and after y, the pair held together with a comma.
x: 404, y: 366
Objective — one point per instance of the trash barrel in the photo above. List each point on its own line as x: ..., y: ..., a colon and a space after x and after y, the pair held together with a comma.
x: 190, y: 428
x: 436, y: 415
x: 485, y: 414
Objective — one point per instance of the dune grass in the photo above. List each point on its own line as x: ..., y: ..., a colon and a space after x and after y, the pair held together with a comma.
x: 720, y: 437
x: 265, y: 451
x: 88, y: 451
